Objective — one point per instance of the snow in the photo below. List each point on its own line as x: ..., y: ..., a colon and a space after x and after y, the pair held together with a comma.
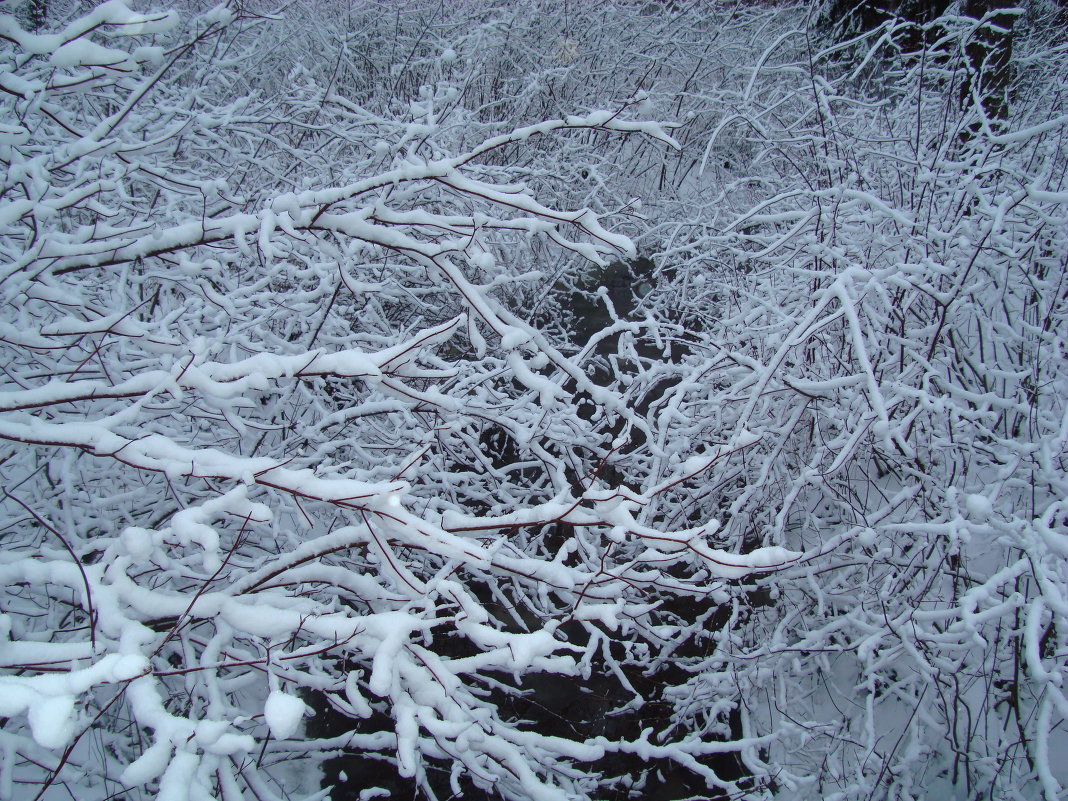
x: 179, y: 778
x: 137, y: 542
x: 979, y: 507
x: 82, y: 52
x: 283, y: 713
x: 514, y: 338
x: 51, y: 720
x: 149, y: 766
x: 547, y: 390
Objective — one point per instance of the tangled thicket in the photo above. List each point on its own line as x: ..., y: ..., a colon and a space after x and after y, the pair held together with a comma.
x: 313, y: 401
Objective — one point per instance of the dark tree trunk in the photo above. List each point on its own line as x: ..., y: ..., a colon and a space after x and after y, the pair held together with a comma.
x: 989, y: 57
x: 852, y: 17
x: 913, y: 33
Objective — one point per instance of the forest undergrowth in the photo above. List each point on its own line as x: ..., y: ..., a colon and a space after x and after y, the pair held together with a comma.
x: 556, y: 401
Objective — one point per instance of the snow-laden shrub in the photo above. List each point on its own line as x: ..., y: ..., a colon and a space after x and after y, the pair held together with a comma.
x: 255, y: 335
x: 886, y: 322
x: 297, y: 418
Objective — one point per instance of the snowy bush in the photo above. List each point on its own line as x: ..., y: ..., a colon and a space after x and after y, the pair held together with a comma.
x: 255, y: 338
x: 330, y: 441
x: 888, y: 323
